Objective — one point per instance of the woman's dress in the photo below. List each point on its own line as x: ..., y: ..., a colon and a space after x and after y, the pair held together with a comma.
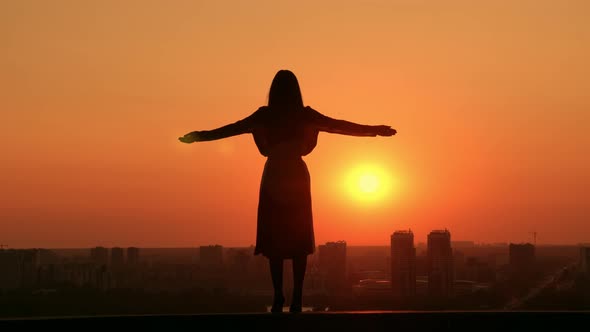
x: 285, y: 219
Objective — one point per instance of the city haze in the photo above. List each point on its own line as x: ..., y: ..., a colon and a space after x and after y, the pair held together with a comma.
x: 489, y: 99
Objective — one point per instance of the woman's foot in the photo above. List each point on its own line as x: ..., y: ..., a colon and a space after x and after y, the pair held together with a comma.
x: 295, y: 307
x: 277, y: 304
x: 296, y: 301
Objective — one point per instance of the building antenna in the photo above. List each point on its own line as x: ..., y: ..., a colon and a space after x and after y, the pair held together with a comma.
x: 534, y: 233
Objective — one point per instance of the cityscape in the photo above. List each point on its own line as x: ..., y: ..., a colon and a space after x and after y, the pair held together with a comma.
x: 438, y: 274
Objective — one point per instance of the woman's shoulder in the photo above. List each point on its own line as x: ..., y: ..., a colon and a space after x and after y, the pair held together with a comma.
x: 259, y: 113
x: 261, y: 110
x: 312, y: 114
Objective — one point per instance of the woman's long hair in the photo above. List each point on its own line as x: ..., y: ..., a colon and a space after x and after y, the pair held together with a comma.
x: 284, y: 91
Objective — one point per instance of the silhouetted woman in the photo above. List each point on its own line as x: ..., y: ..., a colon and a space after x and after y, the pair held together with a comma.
x: 284, y: 131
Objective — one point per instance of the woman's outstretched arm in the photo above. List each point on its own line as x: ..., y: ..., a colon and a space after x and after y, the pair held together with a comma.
x: 243, y: 126
x: 343, y: 127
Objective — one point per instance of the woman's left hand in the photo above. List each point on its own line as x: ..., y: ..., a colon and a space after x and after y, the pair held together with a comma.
x: 190, y: 137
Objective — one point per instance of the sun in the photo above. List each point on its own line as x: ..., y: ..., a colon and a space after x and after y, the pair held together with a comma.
x: 368, y: 183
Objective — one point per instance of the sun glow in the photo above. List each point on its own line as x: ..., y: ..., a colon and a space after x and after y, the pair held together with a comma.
x: 368, y: 183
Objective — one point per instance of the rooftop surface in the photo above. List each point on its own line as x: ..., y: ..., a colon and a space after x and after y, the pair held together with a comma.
x: 325, y: 321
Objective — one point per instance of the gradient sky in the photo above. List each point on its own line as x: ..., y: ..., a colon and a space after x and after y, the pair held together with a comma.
x: 490, y: 99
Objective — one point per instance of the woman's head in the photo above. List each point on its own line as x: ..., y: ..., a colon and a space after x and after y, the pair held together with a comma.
x: 284, y: 90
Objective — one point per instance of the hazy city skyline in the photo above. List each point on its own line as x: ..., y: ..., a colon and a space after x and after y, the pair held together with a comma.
x: 489, y: 100
x: 341, y: 277
x: 419, y: 242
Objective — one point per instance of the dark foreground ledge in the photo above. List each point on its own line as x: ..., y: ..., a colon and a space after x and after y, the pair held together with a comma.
x: 324, y: 321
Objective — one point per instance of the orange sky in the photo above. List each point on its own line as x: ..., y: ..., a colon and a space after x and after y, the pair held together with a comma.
x: 490, y: 99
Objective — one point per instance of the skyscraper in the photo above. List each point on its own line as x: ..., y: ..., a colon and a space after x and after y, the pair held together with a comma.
x: 99, y: 255
x: 9, y: 267
x: 117, y: 257
x: 211, y: 257
x: 521, y: 259
x: 521, y: 254
x: 403, y: 263
x: 132, y: 256
x: 440, y: 263
x: 18, y: 268
x: 332, y: 265
x: 585, y: 260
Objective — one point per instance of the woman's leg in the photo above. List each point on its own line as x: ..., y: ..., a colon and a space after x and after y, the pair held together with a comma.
x: 276, y: 273
x: 299, y: 266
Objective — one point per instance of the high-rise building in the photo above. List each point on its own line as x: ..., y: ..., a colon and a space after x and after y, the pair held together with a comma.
x: 585, y: 260
x: 29, y: 265
x: 238, y: 259
x: 117, y: 256
x: 99, y: 255
x: 521, y: 258
x: 332, y: 265
x: 132, y: 256
x: 18, y: 268
x: 440, y: 263
x: 211, y: 257
x: 9, y: 267
x: 403, y: 263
